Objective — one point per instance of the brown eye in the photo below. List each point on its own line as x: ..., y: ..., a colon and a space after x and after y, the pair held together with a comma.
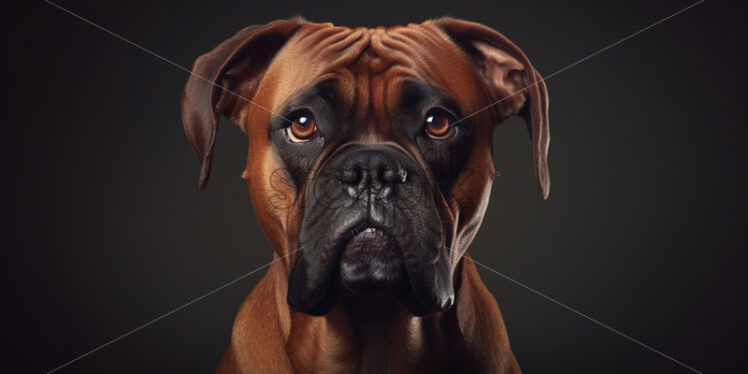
x: 438, y: 126
x: 302, y: 129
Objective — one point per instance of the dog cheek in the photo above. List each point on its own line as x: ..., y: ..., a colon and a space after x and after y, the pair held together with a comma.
x: 273, y: 197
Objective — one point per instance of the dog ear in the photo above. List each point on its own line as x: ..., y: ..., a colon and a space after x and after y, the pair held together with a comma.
x: 517, y: 86
x: 224, y: 78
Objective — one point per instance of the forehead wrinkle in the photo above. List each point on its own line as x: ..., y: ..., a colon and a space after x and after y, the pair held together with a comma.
x: 445, y: 65
x: 318, y: 35
x: 383, y: 47
x: 396, y: 57
x: 338, y: 46
x: 314, y: 51
x: 351, y: 46
x: 369, y: 61
x: 377, y: 70
x: 431, y: 53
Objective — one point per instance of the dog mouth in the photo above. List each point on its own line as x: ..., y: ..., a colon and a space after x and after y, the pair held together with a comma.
x: 366, y: 231
x: 370, y: 260
x: 366, y: 259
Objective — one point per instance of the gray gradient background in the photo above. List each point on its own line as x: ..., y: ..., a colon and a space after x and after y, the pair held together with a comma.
x: 103, y: 227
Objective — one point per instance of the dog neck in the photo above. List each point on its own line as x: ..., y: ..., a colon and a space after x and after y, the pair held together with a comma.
x: 371, y: 333
x: 367, y: 333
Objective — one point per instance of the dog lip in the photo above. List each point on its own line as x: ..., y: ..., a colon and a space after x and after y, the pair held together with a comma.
x: 351, y: 239
x: 367, y: 233
x: 370, y: 260
x: 312, y: 300
x: 363, y: 228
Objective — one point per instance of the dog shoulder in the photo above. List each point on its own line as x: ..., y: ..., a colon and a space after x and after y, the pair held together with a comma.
x: 257, y: 336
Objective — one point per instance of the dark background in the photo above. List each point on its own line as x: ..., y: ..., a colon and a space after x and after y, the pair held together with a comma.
x: 103, y: 228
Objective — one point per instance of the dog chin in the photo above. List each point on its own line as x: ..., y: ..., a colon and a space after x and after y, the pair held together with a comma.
x: 371, y: 260
x: 371, y: 263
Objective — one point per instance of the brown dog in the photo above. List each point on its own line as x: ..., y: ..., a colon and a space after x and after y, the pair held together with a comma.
x: 370, y: 184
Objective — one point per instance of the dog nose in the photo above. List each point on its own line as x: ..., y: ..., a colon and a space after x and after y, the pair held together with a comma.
x: 371, y: 170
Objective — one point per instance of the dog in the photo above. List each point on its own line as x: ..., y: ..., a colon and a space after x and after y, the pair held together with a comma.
x: 370, y: 167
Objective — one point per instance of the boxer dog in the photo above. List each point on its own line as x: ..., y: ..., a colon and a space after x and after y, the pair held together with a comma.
x: 370, y: 167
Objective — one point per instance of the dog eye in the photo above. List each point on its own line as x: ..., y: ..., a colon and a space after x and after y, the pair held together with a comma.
x: 438, y: 125
x: 303, y: 128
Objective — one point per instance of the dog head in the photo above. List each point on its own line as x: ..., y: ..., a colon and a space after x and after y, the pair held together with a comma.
x: 370, y: 158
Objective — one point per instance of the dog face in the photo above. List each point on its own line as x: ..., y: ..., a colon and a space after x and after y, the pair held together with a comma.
x: 370, y: 160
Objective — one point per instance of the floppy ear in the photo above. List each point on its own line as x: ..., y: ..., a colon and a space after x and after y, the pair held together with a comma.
x: 516, y: 85
x: 224, y: 79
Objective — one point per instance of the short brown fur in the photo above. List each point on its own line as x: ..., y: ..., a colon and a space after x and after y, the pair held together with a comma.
x: 260, y: 68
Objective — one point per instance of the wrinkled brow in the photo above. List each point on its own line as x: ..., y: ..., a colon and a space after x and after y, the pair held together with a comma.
x: 416, y: 92
x: 326, y: 89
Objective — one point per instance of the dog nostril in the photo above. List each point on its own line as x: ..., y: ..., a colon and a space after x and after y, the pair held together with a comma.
x: 394, y: 176
x: 348, y: 175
